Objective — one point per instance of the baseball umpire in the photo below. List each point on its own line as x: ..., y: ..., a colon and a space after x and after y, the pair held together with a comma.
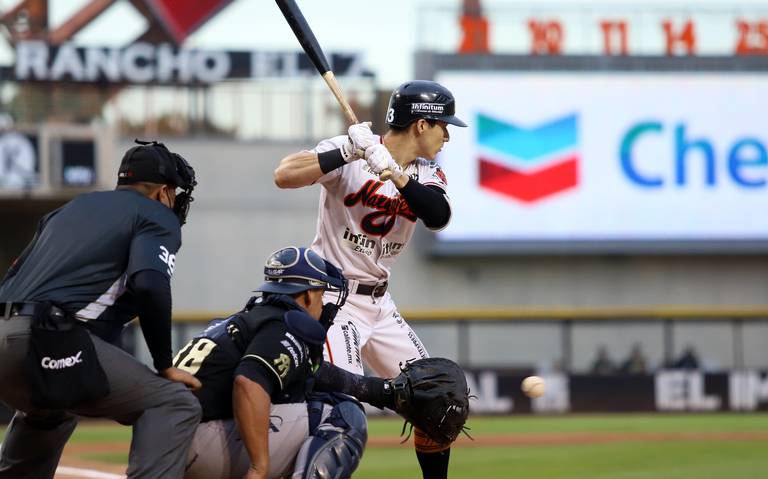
x: 365, y: 223
x: 272, y: 407
x: 94, y: 265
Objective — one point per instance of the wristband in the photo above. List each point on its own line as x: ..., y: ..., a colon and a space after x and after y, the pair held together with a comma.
x: 330, y: 160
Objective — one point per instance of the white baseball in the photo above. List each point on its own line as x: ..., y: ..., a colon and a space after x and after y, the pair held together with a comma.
x: 533, y: 386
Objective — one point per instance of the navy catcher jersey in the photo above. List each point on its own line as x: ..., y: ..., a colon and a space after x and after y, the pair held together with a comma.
x: 259, y: 336
x: 84, y: 252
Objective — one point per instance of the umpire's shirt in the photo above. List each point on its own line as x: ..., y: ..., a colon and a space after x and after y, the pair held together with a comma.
x: 104, y: 257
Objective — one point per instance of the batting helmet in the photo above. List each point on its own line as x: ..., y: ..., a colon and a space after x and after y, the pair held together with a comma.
x: 292, y: 270
x: 421, y: 99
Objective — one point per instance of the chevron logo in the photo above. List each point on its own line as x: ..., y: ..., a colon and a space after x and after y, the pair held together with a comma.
x: 528, y: 164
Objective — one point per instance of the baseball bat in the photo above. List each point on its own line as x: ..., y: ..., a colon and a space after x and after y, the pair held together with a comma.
x: 309, y: 43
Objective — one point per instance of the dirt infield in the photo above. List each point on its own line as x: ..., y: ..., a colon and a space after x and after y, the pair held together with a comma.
x: 74, y: 453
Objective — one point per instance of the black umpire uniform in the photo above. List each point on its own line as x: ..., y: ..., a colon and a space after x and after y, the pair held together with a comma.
x: 94, y: 265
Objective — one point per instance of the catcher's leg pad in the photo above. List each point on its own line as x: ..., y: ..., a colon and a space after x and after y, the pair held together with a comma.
x: 335, y: 448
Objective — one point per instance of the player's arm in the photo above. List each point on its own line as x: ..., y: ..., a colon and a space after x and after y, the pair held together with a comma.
x: 251, y: 404
x: 428, y: 202
x: 372, y: 390
x: 300, y: 169
x: 151, y: 260
x: 152, y: 292
x: 306, y: 167
x: 266, y: 368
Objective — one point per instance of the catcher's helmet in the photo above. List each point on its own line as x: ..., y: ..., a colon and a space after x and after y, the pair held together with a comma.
x: 292, y: 270
x: 421, y: 99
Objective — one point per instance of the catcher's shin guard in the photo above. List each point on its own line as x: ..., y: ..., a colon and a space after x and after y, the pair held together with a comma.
x: 335, y: 448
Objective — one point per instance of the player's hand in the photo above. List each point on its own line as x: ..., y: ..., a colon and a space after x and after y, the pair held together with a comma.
x: 181, y: 376
x: 379, y: 158
x: 361, y: 136
x: 348, y: 151
x: 396, y: 175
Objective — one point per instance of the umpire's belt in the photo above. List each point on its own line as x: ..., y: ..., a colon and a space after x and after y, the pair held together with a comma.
x: 9, y: 310
x: 375, y: 290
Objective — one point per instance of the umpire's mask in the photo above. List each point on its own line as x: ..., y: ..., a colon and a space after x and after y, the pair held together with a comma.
x: 151, y: 161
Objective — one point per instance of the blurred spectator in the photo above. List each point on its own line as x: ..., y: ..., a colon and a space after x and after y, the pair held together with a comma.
x: 603, y: 364
x: 636, y: 363
x: 689, y: 359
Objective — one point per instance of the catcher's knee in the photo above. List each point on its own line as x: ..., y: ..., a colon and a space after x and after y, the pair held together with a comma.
x: 335, y: 448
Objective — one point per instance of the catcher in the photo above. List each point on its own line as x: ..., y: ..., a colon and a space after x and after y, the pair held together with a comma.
x: 271, y: 406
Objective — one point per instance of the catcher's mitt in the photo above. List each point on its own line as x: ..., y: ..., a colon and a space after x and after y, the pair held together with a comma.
x: 432, y: 395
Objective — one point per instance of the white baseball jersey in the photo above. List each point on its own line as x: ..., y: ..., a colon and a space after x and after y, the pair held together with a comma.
x: 364, y: 223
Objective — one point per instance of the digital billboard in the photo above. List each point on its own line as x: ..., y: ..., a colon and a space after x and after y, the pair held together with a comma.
x: 614, y: 161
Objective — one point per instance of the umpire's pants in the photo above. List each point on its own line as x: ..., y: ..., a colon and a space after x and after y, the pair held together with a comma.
x: 164, y: 414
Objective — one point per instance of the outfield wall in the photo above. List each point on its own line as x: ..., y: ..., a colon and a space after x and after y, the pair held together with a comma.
x: 239, y: 217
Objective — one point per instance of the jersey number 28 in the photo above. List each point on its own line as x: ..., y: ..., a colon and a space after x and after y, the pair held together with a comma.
x: 191, y: 357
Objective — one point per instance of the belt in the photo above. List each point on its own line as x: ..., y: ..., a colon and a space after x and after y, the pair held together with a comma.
x: 376, y: 290
x: 8, y: 310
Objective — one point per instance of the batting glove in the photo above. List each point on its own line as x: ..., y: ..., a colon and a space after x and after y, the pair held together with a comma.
x: 378, y: 158
x: 348, y: 151
x: 361, y: 136
x: 396, y: 172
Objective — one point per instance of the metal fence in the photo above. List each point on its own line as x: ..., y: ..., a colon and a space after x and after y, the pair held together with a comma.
x: 285, y: 109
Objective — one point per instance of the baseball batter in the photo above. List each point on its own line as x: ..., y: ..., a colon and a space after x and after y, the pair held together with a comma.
x: 365, y: 222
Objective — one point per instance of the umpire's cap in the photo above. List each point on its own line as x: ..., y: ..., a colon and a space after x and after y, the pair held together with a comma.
x: 291, y: 270
x: 152, y: 162
x: 421, y: 99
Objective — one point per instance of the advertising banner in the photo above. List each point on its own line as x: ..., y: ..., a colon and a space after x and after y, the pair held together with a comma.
x: 146, y: 63
x: 608, y: 161
x: 498, y: 392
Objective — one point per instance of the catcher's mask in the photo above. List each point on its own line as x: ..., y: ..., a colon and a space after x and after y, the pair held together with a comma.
x: 153, y: 162
x: 293, y: 270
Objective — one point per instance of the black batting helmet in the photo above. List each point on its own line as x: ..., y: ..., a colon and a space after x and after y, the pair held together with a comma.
x: 421, y: 99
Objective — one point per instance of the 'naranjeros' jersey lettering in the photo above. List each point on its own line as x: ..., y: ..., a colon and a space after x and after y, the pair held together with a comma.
x: 364, y: 223
x: 381, y: 221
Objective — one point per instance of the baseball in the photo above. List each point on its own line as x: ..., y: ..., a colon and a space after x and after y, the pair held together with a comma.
x: 533, y: 386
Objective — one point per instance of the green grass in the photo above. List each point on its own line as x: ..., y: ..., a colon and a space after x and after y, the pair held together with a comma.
x: 662, y: 423
x: 680, y: 460
x: 619, y: 460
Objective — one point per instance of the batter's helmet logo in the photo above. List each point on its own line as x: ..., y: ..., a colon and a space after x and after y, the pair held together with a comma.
x: 427, y: 108
x: 528, y: 164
